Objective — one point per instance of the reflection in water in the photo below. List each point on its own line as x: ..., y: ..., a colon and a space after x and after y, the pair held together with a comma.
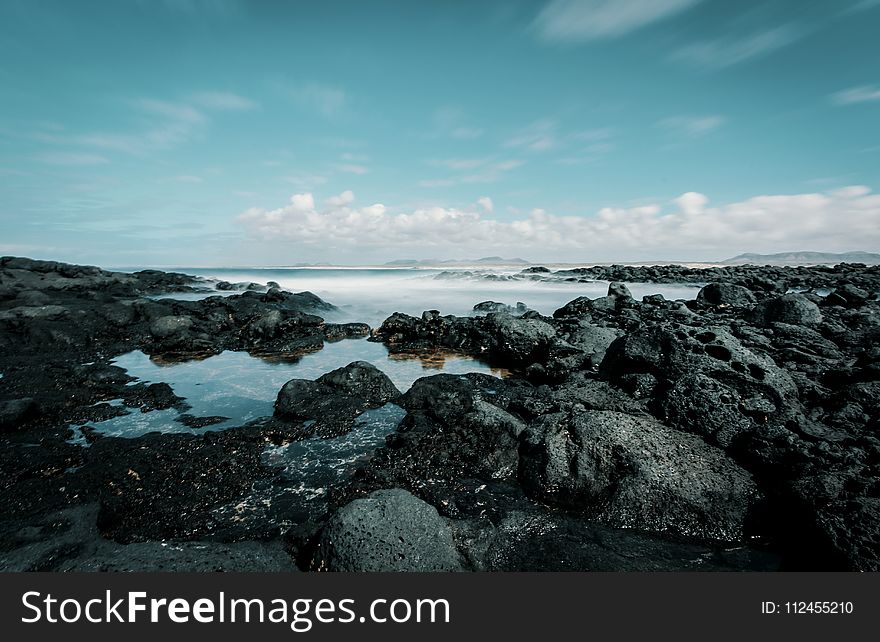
x: 444, y: 360
x: 240, y: 387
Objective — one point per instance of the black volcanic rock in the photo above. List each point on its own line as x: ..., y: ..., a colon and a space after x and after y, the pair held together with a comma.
x: 335, y: 399
x: 634, y: 472
x: 747, y: 411
x: 794, y: 309
x: 726, y: 294
x: 389, y: 530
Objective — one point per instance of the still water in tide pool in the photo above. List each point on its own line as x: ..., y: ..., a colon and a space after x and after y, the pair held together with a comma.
x: 241, y: 388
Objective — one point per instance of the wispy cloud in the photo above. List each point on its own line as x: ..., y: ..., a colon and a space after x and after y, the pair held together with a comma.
x: 197, y: 8
x: 835, y: 220
x: 587, y: 155
x: 172, y: 110
x: 159, y: 125
x: 728, y: 51
x: 471, y: 170
x: 486, y: 203
x: 460, y: 163
x: 451, y: 122
x: 860, y: 94
x: 862, y: 5
x: 223, y: 101
x: 327, y: 100
x: 305, y: 180
x: 71, y: 159
x: 436, y: 182
x: 540, y: 136
x: 691, y: 126
x: 584, y: 20
x: 351, y: 168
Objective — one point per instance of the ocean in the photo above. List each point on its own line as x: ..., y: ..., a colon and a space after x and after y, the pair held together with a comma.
x: 370, y: 295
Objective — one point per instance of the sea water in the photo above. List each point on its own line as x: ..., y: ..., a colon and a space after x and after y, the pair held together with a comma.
x: 370, y: 295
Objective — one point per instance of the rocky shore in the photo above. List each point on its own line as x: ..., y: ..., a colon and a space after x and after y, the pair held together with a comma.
x: 736, y: 431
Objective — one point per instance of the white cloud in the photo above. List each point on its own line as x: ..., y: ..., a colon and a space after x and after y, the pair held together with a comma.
x: 223, y: 101
x: 686, y: 227
x: 71, y: 158
x: 692, y: 126
x: 325, y: 99
x: 691, y: 203
x: 582, y: 20
x: 346, y: 198
x: 486, y: 203
x: 729, y: 51
x: 860, y: 94
x: 302, y: 202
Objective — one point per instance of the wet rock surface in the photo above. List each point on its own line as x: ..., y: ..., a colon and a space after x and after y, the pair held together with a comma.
x: 332, y: 402
x: 736, y: 431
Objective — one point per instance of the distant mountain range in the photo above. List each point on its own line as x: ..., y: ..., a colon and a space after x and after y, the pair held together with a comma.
x: 486, y: 260
x: 805, y: 258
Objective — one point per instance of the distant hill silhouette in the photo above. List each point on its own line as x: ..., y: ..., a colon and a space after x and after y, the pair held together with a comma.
x: 805, y: 258
x: 488, y: 260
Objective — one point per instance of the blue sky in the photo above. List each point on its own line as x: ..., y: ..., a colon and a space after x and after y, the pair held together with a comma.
x: 223, y: 132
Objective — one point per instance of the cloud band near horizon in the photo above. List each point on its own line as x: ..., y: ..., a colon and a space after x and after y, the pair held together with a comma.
x: 688, y: 227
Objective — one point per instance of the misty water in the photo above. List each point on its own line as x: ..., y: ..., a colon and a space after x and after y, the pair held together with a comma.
x: 242, y: 388
x: 370, y: 295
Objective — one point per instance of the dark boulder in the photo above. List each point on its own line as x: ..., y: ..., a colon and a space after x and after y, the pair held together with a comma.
x: 336, y: 399
x: 848, y: 296
x: 15, y: 412
x: 795, y: 309
x: 633, y: 472
x: 619, y: 290
x: 726, y: 294
x: 361, y: 379
x: 390, y: 530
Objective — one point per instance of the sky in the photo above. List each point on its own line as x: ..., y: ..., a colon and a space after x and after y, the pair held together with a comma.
x: 235, y: 133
